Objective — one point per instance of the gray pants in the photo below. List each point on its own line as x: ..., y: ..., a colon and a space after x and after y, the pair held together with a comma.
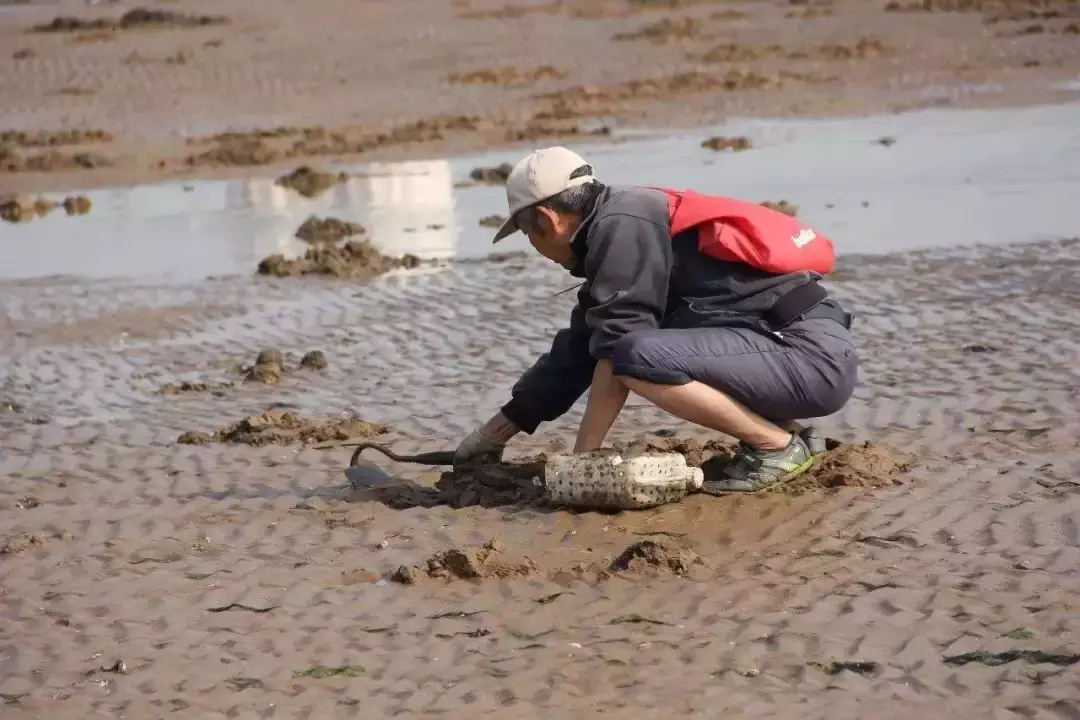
x: 808, y: 370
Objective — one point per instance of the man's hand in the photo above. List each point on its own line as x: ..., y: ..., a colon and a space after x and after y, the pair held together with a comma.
x: 485, y: 445
x: 477, y: 450
x: 607, y: 395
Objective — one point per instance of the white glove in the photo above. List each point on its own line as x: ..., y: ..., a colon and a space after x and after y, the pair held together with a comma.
x: 478, y: 450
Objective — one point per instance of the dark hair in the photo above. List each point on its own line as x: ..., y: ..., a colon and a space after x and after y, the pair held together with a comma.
x: 577, y: 200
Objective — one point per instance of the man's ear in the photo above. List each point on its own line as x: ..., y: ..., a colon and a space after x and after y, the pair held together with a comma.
x: 547, y: 219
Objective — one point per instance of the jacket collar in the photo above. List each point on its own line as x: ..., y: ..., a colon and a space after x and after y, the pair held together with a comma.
x: 580, y: 239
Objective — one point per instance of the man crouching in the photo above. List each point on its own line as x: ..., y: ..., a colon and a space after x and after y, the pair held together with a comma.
x: 708, y: 307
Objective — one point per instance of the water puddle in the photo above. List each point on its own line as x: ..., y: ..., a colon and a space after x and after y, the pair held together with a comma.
x: 946, y: 178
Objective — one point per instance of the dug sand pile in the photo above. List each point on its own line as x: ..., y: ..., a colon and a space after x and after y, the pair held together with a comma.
x: 355, y: 260
x: 286, y: 428
x: 653, y: 558
x: 482, y: 563
x: 508, y: 483
x: 860, y: 465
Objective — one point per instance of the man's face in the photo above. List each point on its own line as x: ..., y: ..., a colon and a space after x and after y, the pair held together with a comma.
x: 550, y: 233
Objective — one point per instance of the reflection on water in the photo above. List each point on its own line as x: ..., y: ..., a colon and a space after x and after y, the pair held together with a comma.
x: 951, y: 178
x: 190, y: 230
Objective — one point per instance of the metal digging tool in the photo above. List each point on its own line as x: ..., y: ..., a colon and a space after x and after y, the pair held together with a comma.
x: 367, y: 475
x: 439, y: 457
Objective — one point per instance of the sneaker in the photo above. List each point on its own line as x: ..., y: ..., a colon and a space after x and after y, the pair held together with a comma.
x: 813, y: 441
x: 752, y: 470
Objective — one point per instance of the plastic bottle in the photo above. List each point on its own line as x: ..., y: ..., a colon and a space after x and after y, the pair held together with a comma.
x: 606, y: 480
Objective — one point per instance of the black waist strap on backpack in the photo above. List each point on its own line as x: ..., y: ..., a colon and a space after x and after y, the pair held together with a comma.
x: 806, y: 301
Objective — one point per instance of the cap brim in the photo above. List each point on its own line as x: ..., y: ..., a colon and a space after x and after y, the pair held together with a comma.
x: 508, y: 228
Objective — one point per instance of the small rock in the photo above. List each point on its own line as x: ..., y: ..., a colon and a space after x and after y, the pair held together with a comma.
x: 77, y: 205
x: 195, y: 437
x: 270, y: 356
x: 782, y: 206
x: 492, y: 175
x: 265, y: 373
x: 492, y: 221
x: 314, y: 360
x: 735, y: 144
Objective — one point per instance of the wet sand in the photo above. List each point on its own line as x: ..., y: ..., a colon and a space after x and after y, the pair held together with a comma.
x: 229, y: 578
x: 236, y: 574
x: 315, y: 83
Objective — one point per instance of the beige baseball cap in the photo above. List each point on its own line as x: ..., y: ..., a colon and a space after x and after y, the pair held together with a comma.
x: 538, y: 176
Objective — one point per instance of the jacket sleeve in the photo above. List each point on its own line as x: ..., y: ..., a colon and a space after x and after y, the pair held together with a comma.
x: 628, y: 267
x: 555, y: 382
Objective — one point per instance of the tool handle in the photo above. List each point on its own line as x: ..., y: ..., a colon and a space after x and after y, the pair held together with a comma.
x: 440, y: 457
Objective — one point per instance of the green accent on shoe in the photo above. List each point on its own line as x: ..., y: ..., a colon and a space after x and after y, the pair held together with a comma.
x: 754, y: 470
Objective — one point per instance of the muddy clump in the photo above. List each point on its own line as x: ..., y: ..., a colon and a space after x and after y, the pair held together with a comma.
x: 666, y: 31
x: 21, y: 208
x: 13, y: 160
x: 651, y: 558
x: 506, y: 483
x: 269, y: 367
x: 77, y: 205
x: 862, y: 465
x: 314, y: 360
x: 21, y: 543
x: 236, y: 152
x: 187, y: 387
x: 135, y: 19
x: 316, y: 230
x: 733, y: 144
x: 310, y: 182
x: 506, y: 76
x: 455, y: 564
x: 492, y: 221
x: 696, y: 453
x: 43, y: 138
x: 587, y: 100
x: 782, y: 206
x: 864, y: 49
x: 497, y: 175
x: 286, y: 428
x: 355, y: 260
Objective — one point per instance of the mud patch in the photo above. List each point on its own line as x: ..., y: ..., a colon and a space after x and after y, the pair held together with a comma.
x: 43, y: 139
x: 21, y: 208
x: 187, y: 387
x: 314, y: 360
x: 654, y: 558
x: 696, y: 453
x: 506, y: 76
x: 665, y: 31
x: 733, y: 144
x: 77, y: 205
x: 864, y: 48
x: 782, y: 206
x: 863, y: 465
x: 482, y: 563
x: 286, y: 428
x: 497, y: 175
x: 587, y: 100
x: 310, y: 182
x: 507, y: 483
x: 23, y: 542
x: 13, y: 160
x: 355, y: 260
x: 135, y: 19
x: 316, y: 230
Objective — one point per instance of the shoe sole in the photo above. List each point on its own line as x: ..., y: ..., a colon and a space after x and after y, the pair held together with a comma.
x: 765, y: 486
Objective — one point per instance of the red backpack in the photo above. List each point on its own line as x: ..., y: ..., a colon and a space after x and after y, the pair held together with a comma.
x: 738, y: 231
